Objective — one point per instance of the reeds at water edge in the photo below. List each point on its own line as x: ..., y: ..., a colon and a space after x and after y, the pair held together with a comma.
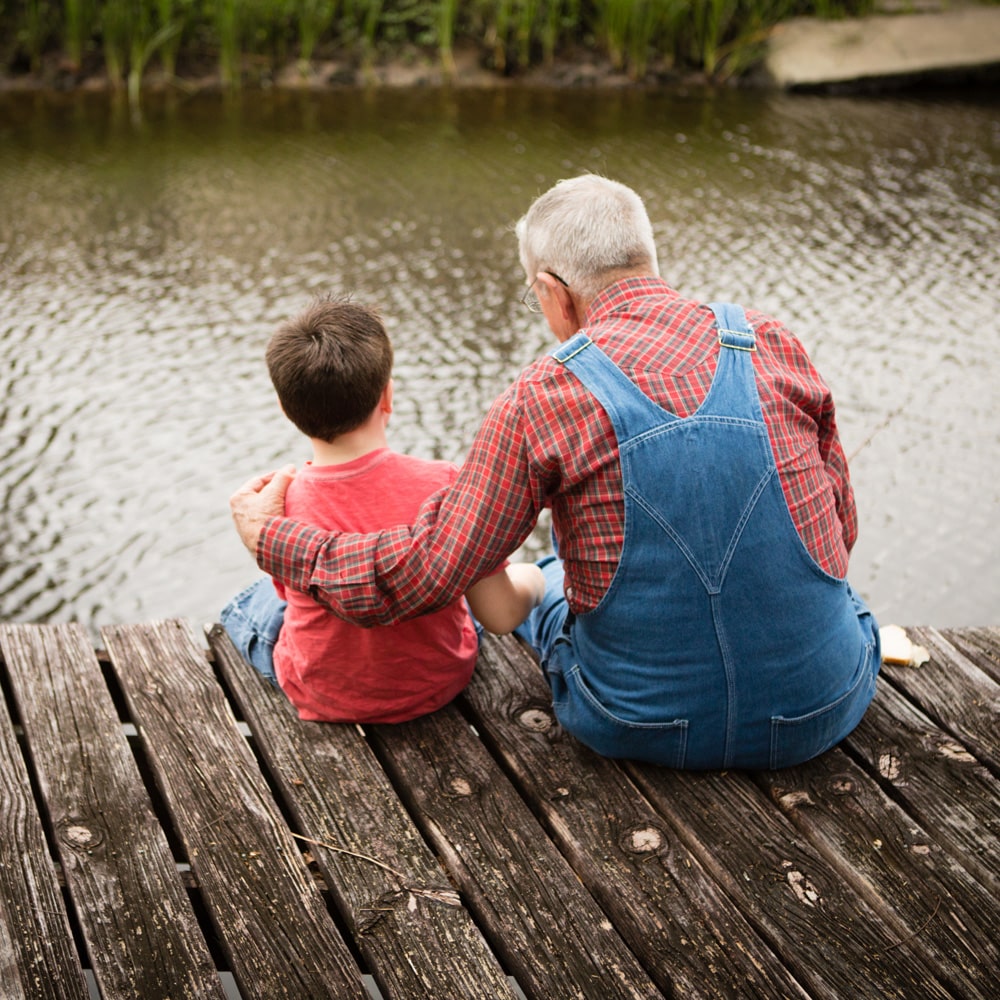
x: 246, y: 37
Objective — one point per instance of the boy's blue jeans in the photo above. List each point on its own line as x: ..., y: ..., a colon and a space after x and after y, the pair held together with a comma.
x: 547, y: 621
x: 253, y: 620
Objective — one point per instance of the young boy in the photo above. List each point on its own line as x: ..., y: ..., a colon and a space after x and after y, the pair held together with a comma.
x: 331, y: 368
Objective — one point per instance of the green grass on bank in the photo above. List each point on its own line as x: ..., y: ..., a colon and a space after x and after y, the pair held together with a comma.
x: 246, y: 40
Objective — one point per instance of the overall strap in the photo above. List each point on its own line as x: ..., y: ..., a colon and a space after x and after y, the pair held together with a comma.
x: 733, y: 392
x: 631, y: 411
x: 734, y: 330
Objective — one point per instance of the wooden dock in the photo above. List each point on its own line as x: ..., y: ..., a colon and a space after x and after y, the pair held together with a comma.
x: 169, y: 828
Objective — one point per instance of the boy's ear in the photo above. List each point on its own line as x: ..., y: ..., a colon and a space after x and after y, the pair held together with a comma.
x: 385, y: 402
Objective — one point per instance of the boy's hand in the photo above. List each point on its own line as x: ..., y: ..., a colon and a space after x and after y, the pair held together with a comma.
x: 256, y: 502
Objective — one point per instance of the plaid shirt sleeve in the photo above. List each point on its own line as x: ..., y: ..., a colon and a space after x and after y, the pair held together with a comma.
x: 461, y: 534
x: 835, y: 464
x: 801, y: 417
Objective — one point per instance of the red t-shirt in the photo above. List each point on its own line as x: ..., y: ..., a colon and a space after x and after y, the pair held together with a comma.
x: 334, y: 671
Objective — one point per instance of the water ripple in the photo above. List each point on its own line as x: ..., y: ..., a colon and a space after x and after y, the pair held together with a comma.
x: 143, y: 271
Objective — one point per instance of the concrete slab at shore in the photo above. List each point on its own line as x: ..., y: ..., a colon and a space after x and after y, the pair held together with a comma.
x: 810, y: 52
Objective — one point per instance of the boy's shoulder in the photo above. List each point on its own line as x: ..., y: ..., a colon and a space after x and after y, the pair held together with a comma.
x: 434, y: 467
x: 380, y: 489
x: 435, y: 472
x: 418, y: 460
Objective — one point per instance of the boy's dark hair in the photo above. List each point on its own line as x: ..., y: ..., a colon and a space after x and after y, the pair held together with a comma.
x: 329, y: 365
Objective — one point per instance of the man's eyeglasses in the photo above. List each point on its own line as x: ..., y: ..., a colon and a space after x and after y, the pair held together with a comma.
x: 530, y: 300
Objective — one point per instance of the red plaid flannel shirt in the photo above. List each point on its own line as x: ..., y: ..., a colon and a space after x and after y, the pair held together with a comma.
x: 546, y: 442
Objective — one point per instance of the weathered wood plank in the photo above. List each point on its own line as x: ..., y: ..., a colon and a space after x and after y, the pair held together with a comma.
x: 898, y: 865
x: 406, y: 918
x: 140, y: 931
x: 873, y: 870
x: 38, y: 959
x: 955, y: 693
x: 551, y: 935
x: 830, y: 936
x: 980, y: 645
x: 937, y: 780
x: 688, y: 934
x: 269, y: 916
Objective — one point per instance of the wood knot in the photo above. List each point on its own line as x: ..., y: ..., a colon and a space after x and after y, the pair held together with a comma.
x: 644, y: 840
x: 842, y: 784
x: 80, y: 837
x: 889, y: 765
x: 792, y: 800
x: 805, y: 891
x: 461, y: 786
x: 535, y: 719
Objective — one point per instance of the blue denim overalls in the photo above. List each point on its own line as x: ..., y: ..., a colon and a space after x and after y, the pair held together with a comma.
x: 720, y: 642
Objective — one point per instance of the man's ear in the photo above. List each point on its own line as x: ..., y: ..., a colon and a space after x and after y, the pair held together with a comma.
x: 559, y: 306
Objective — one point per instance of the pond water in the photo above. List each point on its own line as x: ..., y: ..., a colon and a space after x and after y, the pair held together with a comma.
x: 143, y: 266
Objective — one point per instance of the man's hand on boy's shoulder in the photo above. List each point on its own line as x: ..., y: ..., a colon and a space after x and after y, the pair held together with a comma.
x: 257, y: 501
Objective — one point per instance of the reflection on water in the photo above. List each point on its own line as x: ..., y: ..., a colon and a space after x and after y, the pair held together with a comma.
x: 143, y: 268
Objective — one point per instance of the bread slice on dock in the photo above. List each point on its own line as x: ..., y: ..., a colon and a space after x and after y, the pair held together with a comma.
x: 897, y: 648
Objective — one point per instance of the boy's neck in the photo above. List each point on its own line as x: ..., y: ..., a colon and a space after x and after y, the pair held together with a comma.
x: 364, y: 439
x: 347, y: 447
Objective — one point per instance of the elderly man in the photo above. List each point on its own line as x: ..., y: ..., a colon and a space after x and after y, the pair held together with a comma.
x: 698, y: 613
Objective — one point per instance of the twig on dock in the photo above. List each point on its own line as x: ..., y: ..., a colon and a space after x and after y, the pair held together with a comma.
x: 448, y: 896
x: 920, y: 929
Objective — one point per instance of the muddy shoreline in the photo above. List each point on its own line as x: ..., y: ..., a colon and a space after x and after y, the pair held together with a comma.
x: 409, y: 69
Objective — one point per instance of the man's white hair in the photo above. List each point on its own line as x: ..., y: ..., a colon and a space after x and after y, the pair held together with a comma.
x: 590, y: 231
